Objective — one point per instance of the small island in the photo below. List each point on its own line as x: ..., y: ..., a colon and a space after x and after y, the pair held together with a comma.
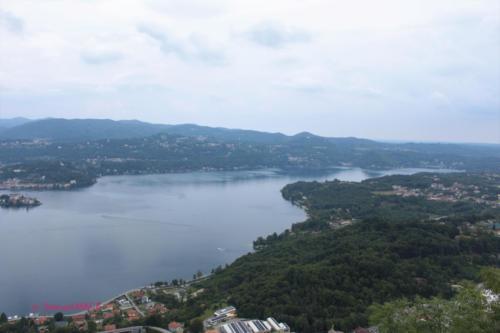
x: 18, y: 201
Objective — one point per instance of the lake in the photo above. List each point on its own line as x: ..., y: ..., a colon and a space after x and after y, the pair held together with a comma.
x: 87, y: 245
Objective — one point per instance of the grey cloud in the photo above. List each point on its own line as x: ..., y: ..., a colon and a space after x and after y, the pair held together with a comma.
x: 11, y: 22
x: 276, y: 36
x: 192, y: 50
x: 205, y: 54
x: 167, y: 45
x: 98, y: 58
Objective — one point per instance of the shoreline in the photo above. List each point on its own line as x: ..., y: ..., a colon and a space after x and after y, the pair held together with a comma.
x: 413, y: 170
x: 57, y: 187
x: 107, y: 301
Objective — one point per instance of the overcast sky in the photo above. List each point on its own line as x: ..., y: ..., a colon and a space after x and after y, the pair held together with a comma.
x: 401, y: 70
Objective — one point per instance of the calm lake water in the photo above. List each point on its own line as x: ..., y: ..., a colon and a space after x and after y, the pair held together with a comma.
x: 87, y: 245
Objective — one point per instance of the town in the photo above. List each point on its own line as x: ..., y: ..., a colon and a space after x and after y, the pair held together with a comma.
x: 437, y: 191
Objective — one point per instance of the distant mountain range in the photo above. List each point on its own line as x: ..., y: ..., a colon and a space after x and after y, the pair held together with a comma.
x: 12, y: 122
x: 77, y: 129
x: 57, y: 129
x: 67, y: 130
x: 196, y: 146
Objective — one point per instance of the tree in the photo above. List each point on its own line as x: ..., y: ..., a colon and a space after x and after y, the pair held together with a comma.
x: 154, y: 320
x: 59, y: 316
x: 92, y: 327
x: 491, y: 278
x: 3, y: 318
x: 196, y: 326
x: 468, y: 311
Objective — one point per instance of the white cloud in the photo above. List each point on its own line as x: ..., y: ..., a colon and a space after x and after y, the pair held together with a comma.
x: 11, y: 22
x: 357, y: 67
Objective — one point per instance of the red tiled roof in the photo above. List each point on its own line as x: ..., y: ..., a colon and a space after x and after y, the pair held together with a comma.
x: 361, y: 330
x: 174, y: 325
x: 107, y: 315
x: 108, y: 306
x: 78, y: 317
x: 132, y: 314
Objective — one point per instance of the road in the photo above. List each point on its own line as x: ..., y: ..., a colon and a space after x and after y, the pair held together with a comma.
x: 187, y: 284
x: 135, y: 306
x: 137, y: 329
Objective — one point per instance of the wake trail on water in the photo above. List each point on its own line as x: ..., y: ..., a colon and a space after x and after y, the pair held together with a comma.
x: 134, y: 219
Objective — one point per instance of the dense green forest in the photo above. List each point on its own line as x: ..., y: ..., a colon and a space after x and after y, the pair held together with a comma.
x: 397, y: 197
x: 312, y: 278
x: 56, y: 174
x: 469, y: 310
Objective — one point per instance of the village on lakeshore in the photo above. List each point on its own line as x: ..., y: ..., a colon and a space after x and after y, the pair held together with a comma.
x: 124, y: 313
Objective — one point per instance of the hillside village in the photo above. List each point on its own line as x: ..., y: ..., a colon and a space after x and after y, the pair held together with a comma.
x: 128, y: 311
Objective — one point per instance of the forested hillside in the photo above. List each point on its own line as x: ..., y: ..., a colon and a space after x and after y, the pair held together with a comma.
x: 314, y: 277
x: 106, y: 147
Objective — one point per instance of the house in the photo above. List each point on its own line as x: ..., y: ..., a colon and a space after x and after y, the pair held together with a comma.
x: 124, y: 303
x: 132, y: 314
x: 175, y: 327
x: 41, y: 320
x: 227, y: 311
x: 78, y: 317
x: 216, y: 320
x: 108, y: 307
x: 157, y: 308
x: 81, y: 325
x: 137, y: 295
x: 108, y: 315
x: 110, y: 327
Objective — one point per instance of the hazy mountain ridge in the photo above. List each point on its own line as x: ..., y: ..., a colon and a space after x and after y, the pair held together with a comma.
x: 80, y: 129
x: 111, y: 147
x: 13, y: 122
x: 60, y: 129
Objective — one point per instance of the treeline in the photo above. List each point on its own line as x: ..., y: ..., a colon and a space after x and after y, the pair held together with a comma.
x: 57, y: 173
x: 314, y: 280
x: 336, y: 200
x: 313, y: 277
x: 469, y: 310
x: 171, y: 152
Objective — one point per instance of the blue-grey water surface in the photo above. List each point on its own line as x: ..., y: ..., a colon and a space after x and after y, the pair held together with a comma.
x: 126, y: 231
